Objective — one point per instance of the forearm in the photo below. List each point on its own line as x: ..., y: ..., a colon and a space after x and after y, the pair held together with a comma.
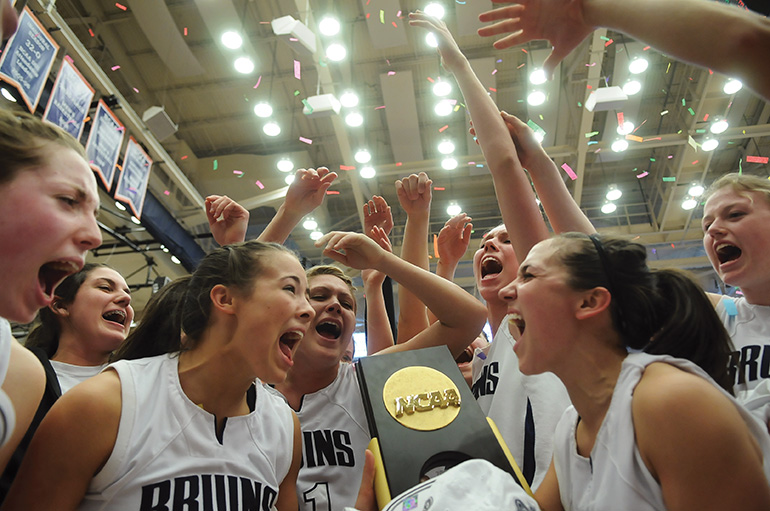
x: 445, y: 270
x: 559, y: 205
x: 412, y: 318
x: 378, y: 333
x: 280, y: 227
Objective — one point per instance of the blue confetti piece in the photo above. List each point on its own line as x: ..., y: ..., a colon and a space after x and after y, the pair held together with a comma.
x: 481, y: 355
x: 730, y: 307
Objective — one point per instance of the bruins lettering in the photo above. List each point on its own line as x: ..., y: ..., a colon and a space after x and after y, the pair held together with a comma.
x: 208, y: 492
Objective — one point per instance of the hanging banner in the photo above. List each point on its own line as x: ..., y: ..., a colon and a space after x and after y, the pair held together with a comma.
x: 104, y: 142
x: 70, y: 100
x: 27, y: 59
x: 132, y: 184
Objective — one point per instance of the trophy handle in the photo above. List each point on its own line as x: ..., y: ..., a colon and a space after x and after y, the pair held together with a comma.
x: 522, y: 481
x: 381, y: 489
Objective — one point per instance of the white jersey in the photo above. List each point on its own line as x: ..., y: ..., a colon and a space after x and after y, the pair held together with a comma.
x: 167, y: 454
x: 335, y: 434
x: 525, y: 408
x: 615, y: 472
x: 749, y: 329
x: 7, y: 412
x: 70, y: 375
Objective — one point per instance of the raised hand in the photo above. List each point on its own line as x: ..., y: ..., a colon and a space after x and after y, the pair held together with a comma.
x: 453, y: 239
x: 377, y: 212
x: 451, y: 56
x: 352, y: 249
x: 370, y: 276
x: 308, y: 190
x: 528, y: 149
x: 559, y: 21
x: 228, y: 220
x: 415, y: 193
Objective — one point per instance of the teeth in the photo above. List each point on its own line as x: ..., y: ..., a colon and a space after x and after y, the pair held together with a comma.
x: 116, y: 316
x: 67, y: 266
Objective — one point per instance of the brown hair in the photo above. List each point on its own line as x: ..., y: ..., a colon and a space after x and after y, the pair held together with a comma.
x: 327, y: 269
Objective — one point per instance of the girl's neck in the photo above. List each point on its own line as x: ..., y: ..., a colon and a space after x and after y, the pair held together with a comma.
x: 496, y: 311
x: 302, y: 380
x: 71, y: 352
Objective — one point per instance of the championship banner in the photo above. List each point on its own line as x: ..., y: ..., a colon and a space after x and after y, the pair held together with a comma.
x: 27, y: 59
x: 70, y: 100
x: 132, y: 184
x: 424, y: 420
x: 104, y: 142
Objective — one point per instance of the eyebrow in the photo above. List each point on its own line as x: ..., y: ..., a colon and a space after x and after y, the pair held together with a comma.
x: 330, y: 290
x: 113, y: 283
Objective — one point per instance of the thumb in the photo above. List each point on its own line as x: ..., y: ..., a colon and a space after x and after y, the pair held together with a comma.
x: 366, y: 500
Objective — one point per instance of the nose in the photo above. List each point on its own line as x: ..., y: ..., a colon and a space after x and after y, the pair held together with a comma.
x: 123, y: 298
x: 489, y: 244
x: 509, y: 292
x: 90, y: 236
x: 715, y: 230
x: 334, y: 306
x: 306, y: 310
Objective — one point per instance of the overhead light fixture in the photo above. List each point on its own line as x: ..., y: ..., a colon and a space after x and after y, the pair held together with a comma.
x: 696, y: 190
x: 289, y: 179
x: 625, y: 128
x: 537, y: 77
x: 446, y: 147
x: 316, y: 235
x: 135, y: 220
x: 431, y: 40
x: 336, y: 52
x: 609, y: 207
x: 536, y: 98
x: 638, y: 65
x: 263, y: 110
x: 175, y: 260
x: 540, y: 136
x: 434, y: 9
x: 632, y: 87
x: 367, y: 172
x: 7, y: 95
x: 349, y: 99
x: 719, y: 126
x: 453, y: 209
x: 689, y: 203
x: 442, y: 88
x: 164, y: 249
x: 354, y: 119
x: 232, y: 40
x: 271, y: 129
x: 295, y: 34
x: 732, y: 86
x: 285, y: 165
x: 619, y: 145
x: 329, y: 26
x: 443, y: 108
x: 120, y: 206
x: 613, y: 192
x: 709, y: 144
x: 449, y: 163
x: 310, y: 224
x: 363, y: 156
x: 244, y: 65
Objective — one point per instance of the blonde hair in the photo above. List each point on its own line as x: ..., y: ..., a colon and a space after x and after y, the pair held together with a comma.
x: 740, y: 183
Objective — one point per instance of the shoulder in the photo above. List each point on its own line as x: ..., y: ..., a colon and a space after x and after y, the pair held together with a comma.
x: 98, y: 396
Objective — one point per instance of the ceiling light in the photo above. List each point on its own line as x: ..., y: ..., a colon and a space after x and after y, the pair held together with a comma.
x: 719, y: 126
x: 536, y: 98
x: 435, y: 10
x: 732, y: 86
x: 271, y: 129
x: 619, y: 146
x: 244, y: 65
x: 285, y: 165
x: 175, y: 260
x: 289, y: 179
x: 164, y: 249
x: 443, y: 108
x: 349, y: 99
x: 696, y: 190
x: 446, y: 147
x: 7, y: 95
x: 609, y: 207
x: 449, y: 163
x: 363, y: 156
x: 354, y: 119
x: 431, y: 40
x: 709, y: 144
x: 310, y: 224
x: 316, y: 235
x: 537, y: 77
x: 329, y: 26
x: 232, y: 40
x: 689, y: 203
x: 336, y: 52
x: 614, y: 193
x: 638, y: 65
x: 135, y: 220
x: 120, y: 206
x: 442, y: 88
x: 453, y: 209
x: 625, y: 128
x: 632, y: 87
x: 367, y: 172
x: 263, y: 110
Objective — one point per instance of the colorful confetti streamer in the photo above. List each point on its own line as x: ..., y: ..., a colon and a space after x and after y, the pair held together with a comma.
x: 569, y: 171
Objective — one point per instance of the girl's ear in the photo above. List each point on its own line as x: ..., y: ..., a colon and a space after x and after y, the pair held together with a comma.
x: 222, y: 298
x: 59, y: 308
x: 594, y: 301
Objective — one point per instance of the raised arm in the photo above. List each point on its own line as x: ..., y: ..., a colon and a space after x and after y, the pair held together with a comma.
x: 378, y: 333
x: 683, y: 29
x: 452, y: 243
x: 461, y: 316
x: 519, y: 210
x: 414, y: 195
x: 228, y: 220
x: 305, y: 193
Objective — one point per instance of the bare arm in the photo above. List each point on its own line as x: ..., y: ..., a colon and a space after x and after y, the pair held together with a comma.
x: 452, y: 243
x: 683, y: 29
x: 287, y: 490
x: 378, y: 333
x: 547, y: 494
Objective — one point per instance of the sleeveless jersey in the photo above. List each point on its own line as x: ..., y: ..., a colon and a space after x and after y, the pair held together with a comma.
x: 749, y: 328
x: 525, y: 408
x: 167, y: 454
x: 7, y: 412
x: 335, y: 434
x: 70, y: 375
x: 615, y: 472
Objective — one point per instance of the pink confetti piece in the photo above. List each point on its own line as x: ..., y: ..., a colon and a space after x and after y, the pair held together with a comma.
x: 441, y: 129
x: 494, y: 71
x: 185, y: 31
x: 620, y: 119
x: 91, y: 32
x: 399, y: 163
x: 332, y: 192
x: 525, y: 51
x: 391, y: 73
x: 379, y: 107
x: 592, y: 64
x: 394, y: 24
x: 258, y: 81
x: 520, y: 65
x: 439, y: 188
x: 297, y: 73
x: 184, y: 157
x: 260, y: 185
x: 643, y: 174
x: 238, y: 172
x: 431, y: 80
x: 608, y: 43
x: 136, y: 90
x: 695, y: 162
x: 305, y: 140
x: 642, y: 124
x: 705, y: 117
x: 69, y: 59
x: 115, y: 68
x: 756, y: 159
x: 569, y: 171
x: 347, y: 167
x: 493, y: 89
x: 121, y: 7
x: 646, y: 48
x: 121, y: 128
x: 293, y: 39
x: 166, y: 192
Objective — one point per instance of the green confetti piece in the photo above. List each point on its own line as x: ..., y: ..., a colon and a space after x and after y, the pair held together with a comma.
x: 589, y: 135
x: 683, y: 102
x: 296, y: 93
x: 216, y: 164
x: 669, y: 179
x: 652, y: 159
x: 692, y: 112
x: 532, y: 124
x: 382, y: 16
x: 520, y: 101
x: 580, y: 104
x: 700, y: 131
x: 307, y: 105
x: 679, y: 132
x: 740, y: 166
x: 605, y: 38
x: 321, y: 62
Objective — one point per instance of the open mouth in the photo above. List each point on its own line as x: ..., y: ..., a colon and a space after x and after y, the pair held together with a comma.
x: 289, y: 341
x: 51, y: 274
x: 116, y: 316
x: 466, y: 356
x: 329, y: 329
x: 517, y: 321
x: 490, y: 266
x: 727, y: 252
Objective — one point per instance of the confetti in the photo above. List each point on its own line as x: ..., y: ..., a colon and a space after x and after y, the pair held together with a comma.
x: 431, y: 80
x: 185, y: 31
x: 608, y: 43
x: 332, y: 192
x: 297, y: 72
x: 684, y: 103
x: 664, y: 112
x: 695, y: 162
x: 69, y: 59
x: 260, y: 185
x: 391, y: 73
x: 216, y: 164
x: 493, y: 89
x: 569, y: 171
x: 184, y: 157
x: 296, y: 93
x: 692, y: 112
x: 646, y: 48
x: 705, y: 117
x: 238, y: 172
x: 592, y: 64
x: 259, y: 80
x: 394, y: 24
x: 642, y: 124
x: 525, y: 51
x: 347, y: 167
x: 669, y: 179
x: 730, y: 307
x: 399, y: 163
x: 382, y: 16
x: 121, y: 7
x: 634, y: 138
x: 494, y: 71
x: 655, y: 138
x: 308, y: 109
x: 439, y: 188
x: 305, y: 140
x: 91, y: 32
x: 166, y: 192
x: 379, y: 107
x: 643, y: 174
x: 441, y: 129
x: 521, y: 65
x: 620, y: 119
x: 605, y: 38
x: 115, y: 68
x: 756, y: 159
x: 136, y: 90
x: 592, y: 142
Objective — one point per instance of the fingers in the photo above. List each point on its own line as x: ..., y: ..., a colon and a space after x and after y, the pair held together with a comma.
x: 366, y: 499
x: 501, y: 13
x: 514, y: 39
x: 553, y: 60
